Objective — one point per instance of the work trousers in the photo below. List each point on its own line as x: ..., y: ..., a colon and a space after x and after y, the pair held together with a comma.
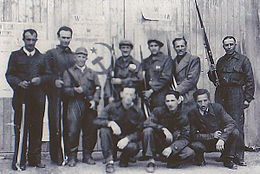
x: 109, y: 145
x: 80, y: 117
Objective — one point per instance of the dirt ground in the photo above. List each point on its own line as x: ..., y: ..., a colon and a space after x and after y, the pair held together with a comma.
x: 212, y: 167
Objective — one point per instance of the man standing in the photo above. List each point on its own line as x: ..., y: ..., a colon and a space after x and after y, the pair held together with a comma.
x: 167, y: 132
x: 212, y: 129
x: 158, y: 73
x: 121, y: 126
x: 58, y: 60
x: 186, y: 70
x: 26, y: 75
x: 82, y: 89
x: 127, y: 70
x: 236, y: 88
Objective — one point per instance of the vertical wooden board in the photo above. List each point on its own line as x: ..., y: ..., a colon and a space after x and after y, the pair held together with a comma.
x: 44, y: 11
x: 7, y: 11
x: 37, y: 11
x: 65, y: 12
x: 2, y: 125
x: 30, y: 10
x: 230, y: 16
x: 58, y: 14
x: 8, y: 125
x: 2, y: 10
x: 219, y: 35
x: 224, y: 17
x: 179, y: 17
x: 194, y: 30
x: 186, y: 22
x: 14, y: 10
x: 236, y: 19
x: 21, y: 11
x: 51, y: 28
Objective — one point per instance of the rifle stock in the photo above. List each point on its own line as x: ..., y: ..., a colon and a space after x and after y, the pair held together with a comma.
x: 174, y: 83
x: 213, y: 71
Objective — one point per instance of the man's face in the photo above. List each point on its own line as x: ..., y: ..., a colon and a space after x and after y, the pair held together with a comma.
x: 80, y: 59
x: 128, y: 96
x: 30, y: 41
x: 125, y: 50
x: 203, y: 102
x: 154, y: 48
x: 229, y: 46
x: 180, y: 47
x: 171, y: 102
x: 64, y: 38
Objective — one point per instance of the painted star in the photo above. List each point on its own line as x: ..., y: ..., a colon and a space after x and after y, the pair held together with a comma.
x: 93, y: 50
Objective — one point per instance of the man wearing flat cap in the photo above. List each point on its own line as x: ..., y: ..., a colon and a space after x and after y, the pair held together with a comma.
x: 82, y: 90
x: 127, y: 70
x: 158, y: 74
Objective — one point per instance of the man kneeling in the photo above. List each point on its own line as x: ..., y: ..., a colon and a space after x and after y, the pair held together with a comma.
x: 121, y: 125
x: 212, y: 129
x: 166, y: 132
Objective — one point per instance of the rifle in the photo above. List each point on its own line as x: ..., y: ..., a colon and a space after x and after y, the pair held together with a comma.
x: 145, y: 104
x: 112, y: 71
x: 212, y: 71
x: 174, y: 83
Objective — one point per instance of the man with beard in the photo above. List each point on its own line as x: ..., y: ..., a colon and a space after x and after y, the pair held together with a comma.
x: 236, y: 89
x: 127, y: 70
x: 58, y: 60
x: 212, y: 129
x: 120, y: 128
x: 186, y: 70
x: 26, y: 75
x: 167, y: 132
x: 158, y: 74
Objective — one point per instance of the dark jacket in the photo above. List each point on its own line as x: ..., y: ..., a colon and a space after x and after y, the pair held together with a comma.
x: 58, y: 60
x: 22, y: 67
x: 203, y: 127
x: 88, y: 80
x: 129, y: 120
x: 177, y: 124
x: 158, y: 75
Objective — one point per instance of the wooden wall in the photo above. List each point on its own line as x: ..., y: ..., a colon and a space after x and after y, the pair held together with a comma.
x: 137, y: 20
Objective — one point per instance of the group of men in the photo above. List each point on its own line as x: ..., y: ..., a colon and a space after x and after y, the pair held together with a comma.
x: 177, y: 125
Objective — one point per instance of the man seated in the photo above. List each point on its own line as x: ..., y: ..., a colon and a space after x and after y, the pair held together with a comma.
x: 166, y: 132
x: 212, y: 129
x: 121, y: 126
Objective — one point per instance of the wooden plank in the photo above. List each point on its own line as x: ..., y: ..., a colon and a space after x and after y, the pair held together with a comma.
x: 8, y: 125
x: 2, y: 140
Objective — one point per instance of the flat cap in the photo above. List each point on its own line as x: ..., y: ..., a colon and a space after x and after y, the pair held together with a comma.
x: 156, y: 41
x: 126, y: 42
x: 81, y: 50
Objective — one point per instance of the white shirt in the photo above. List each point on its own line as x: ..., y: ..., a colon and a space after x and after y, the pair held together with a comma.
x: 28, y: 53
x: 203, y: 112
x: 81, y: 68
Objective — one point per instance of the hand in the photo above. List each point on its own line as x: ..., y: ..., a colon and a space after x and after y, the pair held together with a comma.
x: 168, y: 134
x: 220, y: 145
x: 246, y: 104
x: 92, y: 104
x: 24, y: 84
x: 79, y: 89
x: 36, y: 81
x: 116, y: 81
x: 167, y: 151
x: 59, y: 83
x: 115, y: 128
x: 122, y: 143
x: 217, y: 134
x: 147, y: 94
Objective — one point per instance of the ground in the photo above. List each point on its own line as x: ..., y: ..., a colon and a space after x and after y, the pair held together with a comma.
x: 212, y: 167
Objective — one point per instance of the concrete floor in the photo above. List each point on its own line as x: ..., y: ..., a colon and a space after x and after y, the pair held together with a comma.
x: 212, y: 167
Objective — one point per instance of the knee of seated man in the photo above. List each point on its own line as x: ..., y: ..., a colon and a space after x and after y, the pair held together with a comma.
x: 235, y: 133
x: 148, y: 131
x: 198, y: 146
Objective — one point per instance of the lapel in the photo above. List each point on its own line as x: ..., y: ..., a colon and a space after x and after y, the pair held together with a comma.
x: 183, y: 63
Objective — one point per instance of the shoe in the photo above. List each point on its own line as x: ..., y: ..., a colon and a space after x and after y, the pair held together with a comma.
x: 239, y: 162
x: 89, y: 161
x: 229, y: 164
x: 21, y: 168
x: 110, y: 167
x: 150, y: 168
x: 72, y: 162
x: 38, y: 165
x: 161, y: 158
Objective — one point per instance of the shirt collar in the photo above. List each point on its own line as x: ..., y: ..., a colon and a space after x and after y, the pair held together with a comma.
x: 28, y: 53
x: 203, y: 112
x: 81, y: 68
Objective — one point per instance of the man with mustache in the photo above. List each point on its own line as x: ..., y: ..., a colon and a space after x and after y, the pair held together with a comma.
x: 212, y: 129
x: 186, y: 70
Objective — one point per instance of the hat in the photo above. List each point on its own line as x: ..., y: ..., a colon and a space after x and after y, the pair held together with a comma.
x: 156, y: 41
x: 126, y: 42
x: 81, y: 50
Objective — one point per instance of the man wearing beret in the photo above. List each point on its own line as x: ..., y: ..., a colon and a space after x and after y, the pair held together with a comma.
x: 127, y: 70
x: 82, y: 90
x: 186, y: 70
x: 158, y: 74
